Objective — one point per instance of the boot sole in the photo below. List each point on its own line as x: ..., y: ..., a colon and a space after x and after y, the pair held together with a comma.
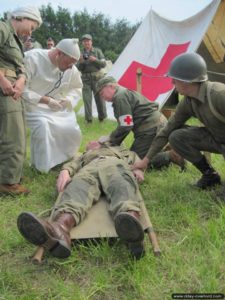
x: 129, y: 228
x: 33, y: 231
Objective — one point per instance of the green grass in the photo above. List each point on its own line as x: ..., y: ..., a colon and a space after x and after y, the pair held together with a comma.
x: 190, y: 226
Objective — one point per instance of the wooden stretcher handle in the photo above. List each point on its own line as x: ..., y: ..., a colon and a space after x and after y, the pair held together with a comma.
x: 38, y: 255
x: 153, y: 240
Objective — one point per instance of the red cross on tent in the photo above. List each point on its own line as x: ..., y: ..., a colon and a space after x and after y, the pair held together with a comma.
x: 153, y: 82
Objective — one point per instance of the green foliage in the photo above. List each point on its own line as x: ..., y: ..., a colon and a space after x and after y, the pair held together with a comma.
x: 190, y: 225
x: 111, y: 38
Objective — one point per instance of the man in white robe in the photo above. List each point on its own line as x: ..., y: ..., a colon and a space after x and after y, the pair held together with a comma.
x: 53, y: 88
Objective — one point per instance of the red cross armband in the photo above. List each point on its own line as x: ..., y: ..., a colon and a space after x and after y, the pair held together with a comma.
x: 126, y: 120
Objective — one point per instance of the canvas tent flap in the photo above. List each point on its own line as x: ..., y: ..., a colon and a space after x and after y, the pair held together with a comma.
x: 156, y: 42
x: 165, y: 32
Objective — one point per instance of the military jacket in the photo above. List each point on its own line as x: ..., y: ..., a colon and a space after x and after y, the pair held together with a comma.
x: 120, y: 152
x: 88, y: 66
x: 11, y: 49
x: 133, y: 112
x: 198, y: 108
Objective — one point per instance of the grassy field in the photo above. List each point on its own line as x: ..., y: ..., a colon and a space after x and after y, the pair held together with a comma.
x: 190, y: 226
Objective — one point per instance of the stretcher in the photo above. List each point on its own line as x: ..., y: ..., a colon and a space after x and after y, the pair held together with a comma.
x: 99, y: 224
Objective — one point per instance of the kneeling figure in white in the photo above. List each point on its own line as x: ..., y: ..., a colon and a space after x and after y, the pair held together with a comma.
x: 53, y: 88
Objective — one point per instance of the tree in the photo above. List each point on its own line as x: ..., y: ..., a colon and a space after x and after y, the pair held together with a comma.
x: 60, y: 24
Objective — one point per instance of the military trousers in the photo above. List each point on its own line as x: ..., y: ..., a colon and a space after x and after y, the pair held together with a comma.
x: 12, y: 140
x: 190, y: 141
x: 89, y: 89
x: 107, y: 176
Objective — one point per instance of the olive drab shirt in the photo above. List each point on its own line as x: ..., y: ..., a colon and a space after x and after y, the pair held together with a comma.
x: 88, y: 66
x: 11, y: 49
x: 198, y: 108
x: 11, y: 59
x: 77, y: 163
x: 134, y: 113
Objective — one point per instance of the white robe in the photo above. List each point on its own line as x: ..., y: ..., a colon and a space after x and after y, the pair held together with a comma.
x: 55, y: 136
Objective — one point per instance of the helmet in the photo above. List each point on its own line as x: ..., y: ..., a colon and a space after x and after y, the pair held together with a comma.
x: 29, y: 12
x: 189, y: 67
x: 70, y: 47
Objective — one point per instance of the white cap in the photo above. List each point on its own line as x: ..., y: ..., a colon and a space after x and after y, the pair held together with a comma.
x: 70, y: 47
x: 29, y: 12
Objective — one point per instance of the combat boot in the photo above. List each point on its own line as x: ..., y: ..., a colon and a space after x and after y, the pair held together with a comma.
x: 130, y: 230
x: 54, y: 236
x: 13, y: 189
x: 209, y: 178
x: 177, y: 159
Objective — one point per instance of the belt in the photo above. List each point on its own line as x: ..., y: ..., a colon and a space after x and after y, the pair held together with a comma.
x: 8, y: 72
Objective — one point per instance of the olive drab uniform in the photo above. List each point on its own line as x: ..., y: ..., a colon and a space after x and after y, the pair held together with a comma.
x: 188, y: 141
x: 91, y: 73
x: 12, y: 127
x: 106, y: 171
x: 135, y: 113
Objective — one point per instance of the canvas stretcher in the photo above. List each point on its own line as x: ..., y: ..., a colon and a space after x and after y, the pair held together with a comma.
x: 99, y: 224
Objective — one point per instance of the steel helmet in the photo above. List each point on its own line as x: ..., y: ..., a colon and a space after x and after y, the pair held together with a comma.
x: 189, y: 67
x: 70, y: 47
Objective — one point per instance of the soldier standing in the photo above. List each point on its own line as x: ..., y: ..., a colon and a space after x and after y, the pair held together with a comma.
x: 21, y: 23
x: 90, y: 64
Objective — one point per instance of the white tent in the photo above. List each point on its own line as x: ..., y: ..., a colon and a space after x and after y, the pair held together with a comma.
x: 170, y: 28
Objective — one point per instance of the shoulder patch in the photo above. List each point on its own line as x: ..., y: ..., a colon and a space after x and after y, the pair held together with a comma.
x: 126, y: 120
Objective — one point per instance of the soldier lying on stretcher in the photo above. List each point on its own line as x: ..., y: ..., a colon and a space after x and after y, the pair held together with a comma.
x: 101, y: 170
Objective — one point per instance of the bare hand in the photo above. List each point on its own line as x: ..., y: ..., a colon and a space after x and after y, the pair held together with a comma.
x: 92, y: 58
x: 142, y: 164
x: 18, y: 88
x: 139, y: 175
x: 63, y: 179
x: 7, y: 87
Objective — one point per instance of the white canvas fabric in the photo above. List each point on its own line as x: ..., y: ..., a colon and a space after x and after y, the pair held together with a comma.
x: 156, y: 33
x: 174, y: 24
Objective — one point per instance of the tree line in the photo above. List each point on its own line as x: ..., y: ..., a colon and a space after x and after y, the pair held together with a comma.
x: 60, y: 23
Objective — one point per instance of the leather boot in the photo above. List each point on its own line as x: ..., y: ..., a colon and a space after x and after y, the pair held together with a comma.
x: 209, y: 178
x: 13, y: 189
x: 130, y: 230
x: 177, y: 159
x: 54, y: 236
